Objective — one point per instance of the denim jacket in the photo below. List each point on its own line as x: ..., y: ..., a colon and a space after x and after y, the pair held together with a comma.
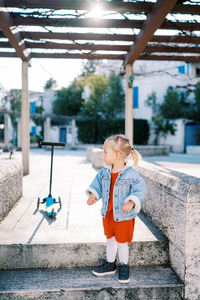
x: 128, y: 186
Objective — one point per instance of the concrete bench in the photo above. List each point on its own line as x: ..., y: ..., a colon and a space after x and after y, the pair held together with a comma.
x: 95, y: 155
x: 11, y: 173
x: 173, y: 204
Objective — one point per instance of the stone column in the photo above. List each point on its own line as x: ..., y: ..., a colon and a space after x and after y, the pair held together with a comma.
x: 19, y: 133
x: 6, y: 143
x: 129, y: 104
x: 73, y: 133
x: 47, y: 126
x: 25, y: 119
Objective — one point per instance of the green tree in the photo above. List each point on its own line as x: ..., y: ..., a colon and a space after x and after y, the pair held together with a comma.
x: 69, y: 100
x: 13, y: 96
x: 175, y: 106
x: 115, y: 96
x: 51, y: 83
x: 161, y: 125
x: 95, y: 106
x: 88, y: 68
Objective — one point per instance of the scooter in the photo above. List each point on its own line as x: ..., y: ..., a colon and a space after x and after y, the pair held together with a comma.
x: 51, y: 203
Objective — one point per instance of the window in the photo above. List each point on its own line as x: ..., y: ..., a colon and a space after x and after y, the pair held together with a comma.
x: 33, y: 130
x: 181, y: 69
x: 135, y: 97
x: 33, y: 107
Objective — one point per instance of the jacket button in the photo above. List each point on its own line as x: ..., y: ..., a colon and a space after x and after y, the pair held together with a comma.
x: 125, y: 182
x: 116, y: 184
x: 115, y: 195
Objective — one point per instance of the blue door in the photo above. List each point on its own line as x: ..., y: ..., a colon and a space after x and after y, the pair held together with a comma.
x: 63, y: 135
x: 190, y: 135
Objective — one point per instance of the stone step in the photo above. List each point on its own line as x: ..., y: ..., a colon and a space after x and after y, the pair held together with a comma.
x: 146, y: 282
x: 79, y: 247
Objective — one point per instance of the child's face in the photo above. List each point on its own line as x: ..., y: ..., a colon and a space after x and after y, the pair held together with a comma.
x: 109, y: 154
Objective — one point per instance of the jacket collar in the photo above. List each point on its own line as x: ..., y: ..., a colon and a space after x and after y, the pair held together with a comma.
x: 129, y: 164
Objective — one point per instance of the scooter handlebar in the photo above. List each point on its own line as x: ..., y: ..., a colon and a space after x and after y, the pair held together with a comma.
x: 52, y: 144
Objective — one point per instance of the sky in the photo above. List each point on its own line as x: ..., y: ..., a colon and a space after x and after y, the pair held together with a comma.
x: 62, y: 70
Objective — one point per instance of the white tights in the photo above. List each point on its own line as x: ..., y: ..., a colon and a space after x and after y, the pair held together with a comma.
x: 111, y: 250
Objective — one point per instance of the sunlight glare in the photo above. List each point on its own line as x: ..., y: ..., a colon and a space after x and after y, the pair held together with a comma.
x: 96, y: 11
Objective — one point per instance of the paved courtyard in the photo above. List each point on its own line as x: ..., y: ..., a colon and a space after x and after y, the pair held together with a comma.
x: 72, y: 174
x: 76, y: 222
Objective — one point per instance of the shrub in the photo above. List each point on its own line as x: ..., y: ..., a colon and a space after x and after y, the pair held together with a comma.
x: 96, y: 131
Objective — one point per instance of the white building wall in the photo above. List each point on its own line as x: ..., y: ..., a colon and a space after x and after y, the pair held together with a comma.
x: 48, y: 98
x: 157, y: 76
x: 176, y: 141
x: 54, y: 134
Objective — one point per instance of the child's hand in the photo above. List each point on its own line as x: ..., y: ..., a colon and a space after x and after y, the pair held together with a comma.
x: 128, y: 206
x: 91, y: 200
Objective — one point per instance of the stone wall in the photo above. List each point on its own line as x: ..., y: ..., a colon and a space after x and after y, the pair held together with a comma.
x: 11, y: 173
x: 173, y: 203
x: 95, y: 153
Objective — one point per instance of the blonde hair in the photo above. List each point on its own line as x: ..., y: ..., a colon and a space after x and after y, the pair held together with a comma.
x: 120, y: 143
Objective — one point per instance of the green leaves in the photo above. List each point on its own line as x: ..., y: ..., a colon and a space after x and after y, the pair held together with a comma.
x: 68, y: 101
x: 161, y: 125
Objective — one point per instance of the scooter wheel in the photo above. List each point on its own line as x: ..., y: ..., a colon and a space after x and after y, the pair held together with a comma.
x: 53, y: 214
x: 59, y: 201
x: 38, y: 203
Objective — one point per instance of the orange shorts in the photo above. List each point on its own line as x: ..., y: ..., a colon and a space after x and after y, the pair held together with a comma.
x: 122, y: 231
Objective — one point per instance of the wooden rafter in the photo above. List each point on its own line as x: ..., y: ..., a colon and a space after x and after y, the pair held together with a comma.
x: 80, y: 56
x: 107, y: 37
x: 153, y: 22
x: 172, y: 49
x: 102, y: 23
x: 11, y: 32
x: 144, y: 44
x: 186, y: 58
x: 118, y: 6
x: 86, y: 46
x: 96, y: 47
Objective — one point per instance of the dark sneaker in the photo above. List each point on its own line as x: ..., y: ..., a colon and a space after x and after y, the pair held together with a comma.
x: 123, y: 275
x: 106, y: 268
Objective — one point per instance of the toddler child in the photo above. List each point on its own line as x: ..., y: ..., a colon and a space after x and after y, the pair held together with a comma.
x: 122, y: 191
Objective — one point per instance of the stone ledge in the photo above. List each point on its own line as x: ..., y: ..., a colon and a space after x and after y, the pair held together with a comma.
x: 11, y: 173
x: 180, y: 184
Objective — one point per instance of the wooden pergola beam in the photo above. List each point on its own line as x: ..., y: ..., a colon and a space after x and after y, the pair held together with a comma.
x: 10, y: 31
x: 78, y: 56
x: 153, y: 22
x: 118, y: 6
x: 186, y: 58
x: 96, y: 47
x: 108, y: 23
x: 172, y: 49
x: 108, y: 37
x: 92, y: 47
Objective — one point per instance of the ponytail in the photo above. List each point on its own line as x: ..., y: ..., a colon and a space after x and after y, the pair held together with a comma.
x: 135, y: 156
